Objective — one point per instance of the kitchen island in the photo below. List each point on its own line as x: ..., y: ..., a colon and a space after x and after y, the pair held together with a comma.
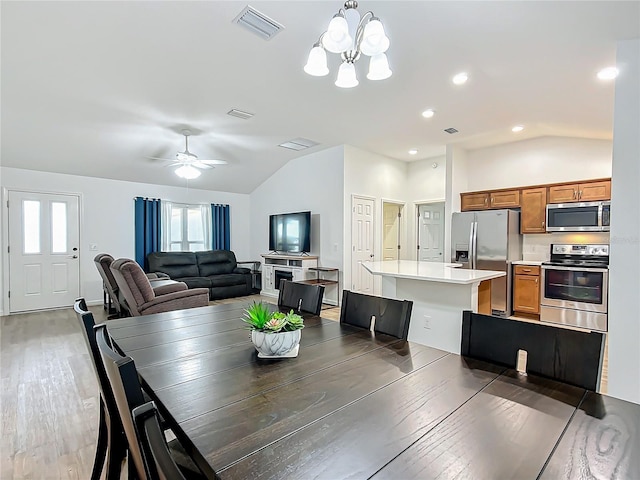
x: 439, y: 291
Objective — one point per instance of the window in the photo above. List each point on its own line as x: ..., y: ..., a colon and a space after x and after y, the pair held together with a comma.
x: 186, y: 228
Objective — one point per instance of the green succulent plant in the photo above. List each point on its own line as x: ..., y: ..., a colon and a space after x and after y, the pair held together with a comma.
x: 259, y: 317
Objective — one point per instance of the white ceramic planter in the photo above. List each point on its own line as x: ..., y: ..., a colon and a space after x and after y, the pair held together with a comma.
x: 275, y: 344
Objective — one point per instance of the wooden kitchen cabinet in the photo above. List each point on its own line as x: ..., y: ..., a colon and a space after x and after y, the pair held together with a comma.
x: 533, y: 208
x: 526, y: 289
x: 487, y: 200
x: 504, y: 199
x: 474, y: 201
x: 580, y: 192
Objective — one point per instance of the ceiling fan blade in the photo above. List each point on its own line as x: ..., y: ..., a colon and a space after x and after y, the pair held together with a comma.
x: 213, y: 162
x: 201, y: 165
x: 163, y: 159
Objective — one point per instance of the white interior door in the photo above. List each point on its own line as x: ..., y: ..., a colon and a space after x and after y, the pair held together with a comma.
x: 391, y: 216
x: 43, y: 251
x: 431, y: 232
x: 362, y: 231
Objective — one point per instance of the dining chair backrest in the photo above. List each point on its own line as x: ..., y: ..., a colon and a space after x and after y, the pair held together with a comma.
x: 358, y: 309
x: 123, y: 378
x: 88, y: 323
x: 393, y: 317
x: 158, y: 462
x: 302, y: 297
x: 569, y: 356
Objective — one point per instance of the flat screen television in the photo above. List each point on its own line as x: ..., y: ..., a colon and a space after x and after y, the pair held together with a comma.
x: 290, y: 232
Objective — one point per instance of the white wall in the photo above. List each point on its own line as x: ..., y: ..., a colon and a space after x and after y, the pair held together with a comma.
x: 313, y: 182
x: 624, y: 298
x: 376, y: 176
x: 106, y: 217
x: 538, y: 161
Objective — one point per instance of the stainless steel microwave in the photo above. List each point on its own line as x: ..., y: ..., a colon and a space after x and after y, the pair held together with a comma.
x: 578, y: 217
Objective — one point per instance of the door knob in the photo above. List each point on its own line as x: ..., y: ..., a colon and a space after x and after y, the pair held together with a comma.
x: 73, y: 256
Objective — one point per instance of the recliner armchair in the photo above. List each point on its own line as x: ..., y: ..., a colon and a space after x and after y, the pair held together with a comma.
x: 143, y: 299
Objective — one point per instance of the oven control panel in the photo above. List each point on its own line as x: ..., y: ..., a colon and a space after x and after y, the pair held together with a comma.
x: 581, y: 250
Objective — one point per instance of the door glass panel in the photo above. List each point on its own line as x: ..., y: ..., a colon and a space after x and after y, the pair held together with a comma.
x: 59, y: 227
x: 31, y: 226
x: 576, y: 286
x: 196, y: 247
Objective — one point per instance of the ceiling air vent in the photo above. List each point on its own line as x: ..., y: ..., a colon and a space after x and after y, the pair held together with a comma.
x: 234, y: 112
x: 451, y: 130
x: 298, y: 144
x: 258, y: 23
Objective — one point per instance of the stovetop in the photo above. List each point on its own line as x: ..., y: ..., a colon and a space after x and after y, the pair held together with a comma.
x: 583, y: 256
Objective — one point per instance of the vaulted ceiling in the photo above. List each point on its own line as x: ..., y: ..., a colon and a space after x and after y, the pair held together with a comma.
x: 94, y: 88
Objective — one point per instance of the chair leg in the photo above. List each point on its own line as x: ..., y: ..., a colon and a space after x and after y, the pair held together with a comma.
x: 116, y: 451
x: 102, y: 445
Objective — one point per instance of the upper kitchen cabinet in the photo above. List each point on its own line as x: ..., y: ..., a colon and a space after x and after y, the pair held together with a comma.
x: 487, y: 200
x: 580, y: 192
x: 533, y: 203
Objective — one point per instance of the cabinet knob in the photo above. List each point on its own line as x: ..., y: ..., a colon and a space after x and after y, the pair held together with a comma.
x: 580, y: 194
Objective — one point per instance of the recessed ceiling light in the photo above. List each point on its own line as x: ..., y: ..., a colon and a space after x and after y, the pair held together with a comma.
x: 608, y: 73
x: 460, y: 78
x: 413, y: 151
x: 428, y: 113
x: 517, y: 128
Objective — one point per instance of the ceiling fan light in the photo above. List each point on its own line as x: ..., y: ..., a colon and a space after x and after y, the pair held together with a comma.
x: 374, y: 40
x: 347, y: 76
x: 337, y: 39
x: 379, y: 67
x: 188, y: 172
x: 317, y: 62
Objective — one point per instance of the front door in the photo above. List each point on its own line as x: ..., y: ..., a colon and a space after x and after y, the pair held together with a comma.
x: 44, y: 262
x: 431, y: 232
x: 362, y: 231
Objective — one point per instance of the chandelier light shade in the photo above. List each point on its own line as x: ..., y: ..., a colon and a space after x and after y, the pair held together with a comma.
x: 188, y: 172
x: 351, y: 36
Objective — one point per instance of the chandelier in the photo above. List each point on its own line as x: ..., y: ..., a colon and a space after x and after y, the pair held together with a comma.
x: 350, y: 35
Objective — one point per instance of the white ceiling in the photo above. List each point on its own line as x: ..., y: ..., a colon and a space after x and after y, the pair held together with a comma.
x: 92, y: 88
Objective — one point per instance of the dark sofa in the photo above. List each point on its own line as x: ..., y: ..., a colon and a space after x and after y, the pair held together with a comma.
x: 216, y: 270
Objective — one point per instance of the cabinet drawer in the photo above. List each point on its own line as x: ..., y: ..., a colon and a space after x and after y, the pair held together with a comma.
x: 526, y: 270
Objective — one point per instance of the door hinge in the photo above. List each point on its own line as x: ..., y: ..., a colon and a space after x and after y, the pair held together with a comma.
x: 8, y: 248
x: 398, y: 247
x: 399, y: 215
x: 9, y: 293
x: 7, y: 203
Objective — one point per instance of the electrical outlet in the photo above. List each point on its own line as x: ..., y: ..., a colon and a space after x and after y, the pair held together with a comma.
x: 427, y: 322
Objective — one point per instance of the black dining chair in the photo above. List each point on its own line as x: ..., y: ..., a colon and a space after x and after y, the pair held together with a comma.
x: 111, y: 445
x: 393, y: 317
x: 127, y: 391
x: 358, y: 309
x: 158, y: 462
x: 302, y: 297
x: 569, y: 356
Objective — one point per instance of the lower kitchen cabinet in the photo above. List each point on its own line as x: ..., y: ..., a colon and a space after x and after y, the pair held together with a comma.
x: 526, y: 289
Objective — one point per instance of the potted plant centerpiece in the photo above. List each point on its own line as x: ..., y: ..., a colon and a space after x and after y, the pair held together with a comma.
x: 274, y: 334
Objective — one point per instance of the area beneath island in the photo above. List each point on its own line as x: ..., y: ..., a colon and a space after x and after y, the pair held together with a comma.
x: 439, y: 291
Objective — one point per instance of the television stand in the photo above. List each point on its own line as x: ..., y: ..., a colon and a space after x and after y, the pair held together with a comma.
x: 275, y: 267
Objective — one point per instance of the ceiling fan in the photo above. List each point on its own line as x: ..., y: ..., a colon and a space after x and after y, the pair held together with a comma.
x: 188, y: 163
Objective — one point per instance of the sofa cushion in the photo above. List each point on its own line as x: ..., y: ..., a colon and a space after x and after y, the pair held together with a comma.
x: 195, y: 282
x: 228, y: 279
x: 215, y: 262
x: 175, y: 264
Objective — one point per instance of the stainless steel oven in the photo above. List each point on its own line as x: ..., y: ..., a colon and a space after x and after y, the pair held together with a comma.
x: 575, y: 286
x: 578, y: 217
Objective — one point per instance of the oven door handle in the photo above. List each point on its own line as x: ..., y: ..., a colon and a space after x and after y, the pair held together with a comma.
x: 575, y: 269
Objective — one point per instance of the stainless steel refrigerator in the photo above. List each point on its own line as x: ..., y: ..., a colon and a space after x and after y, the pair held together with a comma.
x: 488, y: 240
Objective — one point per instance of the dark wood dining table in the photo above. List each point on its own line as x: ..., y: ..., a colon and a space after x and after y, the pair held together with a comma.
x: 355, y: 405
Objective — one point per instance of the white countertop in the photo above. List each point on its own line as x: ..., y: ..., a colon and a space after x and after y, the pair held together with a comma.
x: 527, y: 262
x: 430, y: 271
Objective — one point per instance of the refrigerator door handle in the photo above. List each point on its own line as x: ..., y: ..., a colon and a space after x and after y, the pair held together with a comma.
x: 470, y: 260
x: 474, y: 245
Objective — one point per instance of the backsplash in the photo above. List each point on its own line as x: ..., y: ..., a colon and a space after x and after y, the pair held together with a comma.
x: 538, y: 247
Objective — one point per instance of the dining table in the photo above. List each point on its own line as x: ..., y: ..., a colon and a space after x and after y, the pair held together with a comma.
x: 355, y: 404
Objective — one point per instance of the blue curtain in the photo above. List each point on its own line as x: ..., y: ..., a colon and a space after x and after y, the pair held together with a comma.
x: 148, y: 215
x: 220, y: 231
